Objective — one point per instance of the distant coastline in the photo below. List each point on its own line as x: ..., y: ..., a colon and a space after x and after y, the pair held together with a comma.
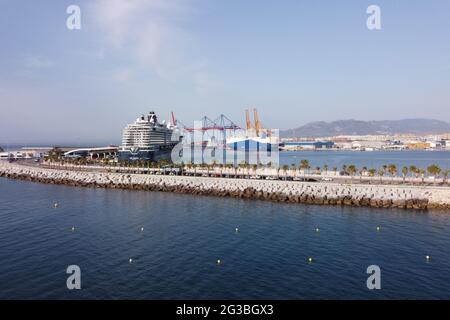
x: 417, y: 126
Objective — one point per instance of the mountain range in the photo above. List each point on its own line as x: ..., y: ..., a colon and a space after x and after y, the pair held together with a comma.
x: 358, y: 127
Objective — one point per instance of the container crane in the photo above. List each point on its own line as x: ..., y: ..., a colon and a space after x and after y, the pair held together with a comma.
x: 257, y: 122
x: 247, y: 120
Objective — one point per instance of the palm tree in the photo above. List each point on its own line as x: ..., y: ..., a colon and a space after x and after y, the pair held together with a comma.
x: 285, y: 169
x: 208, y: 166
x: 194, y: 166
x: 384, y: 167
x: 351, y: 169
x: 248, y: 166
x: 422, y: 174
x: 361, y: 172
x: 404, y: 173
x: 214, y: 165
x: 189, y: 166
x: 381, y: 173
x: 149, y: 165
x: 254, y: 167
x: 392, y: 168
x: 434, y: 170
x: 325, y: 168
x: 445, y: 175
x: 55, y: 154
x: 304, y: 165
x: 242, y: 166
x: 414, y: 171
x: 372, y: 172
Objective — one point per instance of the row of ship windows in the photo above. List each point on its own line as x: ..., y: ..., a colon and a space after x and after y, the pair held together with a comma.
x: 147, y: 129
x: 145, y: 138
x: 147, y: 135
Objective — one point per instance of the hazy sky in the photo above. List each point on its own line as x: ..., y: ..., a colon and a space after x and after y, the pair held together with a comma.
x: 296, y: 61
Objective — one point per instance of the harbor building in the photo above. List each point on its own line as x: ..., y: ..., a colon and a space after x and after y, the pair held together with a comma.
x: 306, y: 145
x: 93, y: 153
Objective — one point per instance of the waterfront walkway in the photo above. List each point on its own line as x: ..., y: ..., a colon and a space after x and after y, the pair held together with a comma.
x: 262, y: 173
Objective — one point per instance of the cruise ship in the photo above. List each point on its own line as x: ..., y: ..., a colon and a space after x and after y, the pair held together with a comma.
x: 148, y: 139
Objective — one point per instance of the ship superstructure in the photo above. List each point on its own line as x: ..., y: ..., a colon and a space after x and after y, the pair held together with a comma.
x: 148, y: 139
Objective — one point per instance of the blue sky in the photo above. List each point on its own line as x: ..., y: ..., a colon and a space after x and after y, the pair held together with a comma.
x: 296, y: 61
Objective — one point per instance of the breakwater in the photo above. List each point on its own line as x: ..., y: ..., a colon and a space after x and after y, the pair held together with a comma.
x: 323, y: 193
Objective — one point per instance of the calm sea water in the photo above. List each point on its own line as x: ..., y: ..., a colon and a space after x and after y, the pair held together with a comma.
x: 175, y: 256
x: 375, y: 159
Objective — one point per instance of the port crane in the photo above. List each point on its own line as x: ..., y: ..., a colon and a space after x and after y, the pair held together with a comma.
x: 222, y: 124
x: 258, y: 129
x: 248, y: 121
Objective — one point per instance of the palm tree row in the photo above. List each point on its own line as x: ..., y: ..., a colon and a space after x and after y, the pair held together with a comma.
x: 391, y: 170
x: 351, y: 170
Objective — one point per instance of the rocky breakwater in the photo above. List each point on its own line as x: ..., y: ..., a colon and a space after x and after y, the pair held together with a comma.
x: 379, y: 196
